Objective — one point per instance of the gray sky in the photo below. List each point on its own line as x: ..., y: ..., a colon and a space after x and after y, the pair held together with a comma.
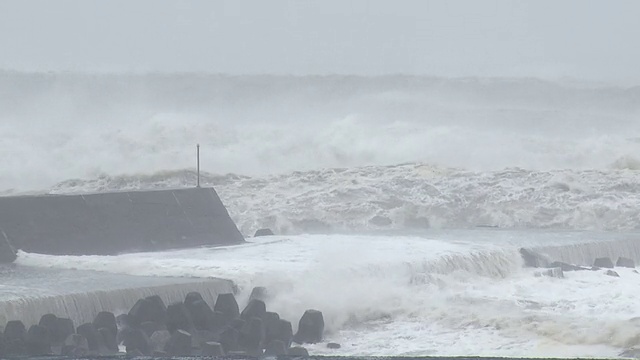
x: 594, y: 40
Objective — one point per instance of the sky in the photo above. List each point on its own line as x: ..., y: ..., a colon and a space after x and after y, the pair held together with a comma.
x: 583, y: 39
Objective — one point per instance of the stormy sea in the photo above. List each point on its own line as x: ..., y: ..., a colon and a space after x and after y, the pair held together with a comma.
x: 399, y: 203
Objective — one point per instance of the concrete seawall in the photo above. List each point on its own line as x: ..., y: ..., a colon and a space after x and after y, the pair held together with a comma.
x: 112, y: 223
x: 82, y: 307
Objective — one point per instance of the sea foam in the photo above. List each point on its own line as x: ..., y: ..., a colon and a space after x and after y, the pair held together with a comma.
x: 408, y: 295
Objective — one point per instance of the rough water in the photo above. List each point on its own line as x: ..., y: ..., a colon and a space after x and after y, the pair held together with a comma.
x: 401, y: 201
x: 446, y: 293
x: 411, y: 196
x: 57, y: 127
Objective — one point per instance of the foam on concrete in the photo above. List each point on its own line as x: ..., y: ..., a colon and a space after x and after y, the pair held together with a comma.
x: 117, y: 222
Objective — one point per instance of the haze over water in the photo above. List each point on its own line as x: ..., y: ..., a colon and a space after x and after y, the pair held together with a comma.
x: 395, y: 131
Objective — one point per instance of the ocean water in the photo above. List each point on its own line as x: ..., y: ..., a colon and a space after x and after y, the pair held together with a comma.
x: 58, y: 127
x: 451, y: 293
x: 400, y: 202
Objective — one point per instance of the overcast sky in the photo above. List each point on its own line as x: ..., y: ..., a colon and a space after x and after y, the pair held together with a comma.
x: 596, y: 40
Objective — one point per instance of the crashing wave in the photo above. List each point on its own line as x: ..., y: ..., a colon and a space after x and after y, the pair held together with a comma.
x: 409, y: 196
x: 626, y: 162
x: 63, y: 126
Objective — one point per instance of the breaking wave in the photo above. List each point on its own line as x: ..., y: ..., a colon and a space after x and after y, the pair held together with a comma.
x: 336, y: 153
x: 65, y: 126
x: 413, y: 288
x: 353, y: 154
x: 409, y: 197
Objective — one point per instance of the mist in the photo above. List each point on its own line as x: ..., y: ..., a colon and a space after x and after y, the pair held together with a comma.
x: 590, y: 40
x: 58, y: 127
x: 95, y: 88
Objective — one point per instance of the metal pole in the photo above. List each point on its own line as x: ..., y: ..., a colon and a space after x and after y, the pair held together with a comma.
x: 198, y: 156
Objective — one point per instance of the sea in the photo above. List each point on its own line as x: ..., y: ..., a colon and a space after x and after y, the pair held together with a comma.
x: 399, y: 203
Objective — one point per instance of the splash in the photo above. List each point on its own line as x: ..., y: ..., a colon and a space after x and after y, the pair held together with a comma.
x: 409, y: 197
x: 57, y: 127
x: 386, y: 295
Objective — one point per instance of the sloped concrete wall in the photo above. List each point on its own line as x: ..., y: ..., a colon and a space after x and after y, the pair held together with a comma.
x: 82, y: 307
x: 112, y: 223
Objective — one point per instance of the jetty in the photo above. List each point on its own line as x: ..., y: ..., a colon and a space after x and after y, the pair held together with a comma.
x: 116, y: 222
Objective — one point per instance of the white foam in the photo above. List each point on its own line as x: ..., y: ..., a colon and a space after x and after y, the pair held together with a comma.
x: 306, y: 153
x: 411, y: 196
x: 335, y: 273
x: 412, y: 296
x: 307, y: 157
x: 587, y: 314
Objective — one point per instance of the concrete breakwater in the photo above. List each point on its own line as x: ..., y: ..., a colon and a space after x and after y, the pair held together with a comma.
x: 81, y: 306
x: 186, y: 327
x: 116, y: 222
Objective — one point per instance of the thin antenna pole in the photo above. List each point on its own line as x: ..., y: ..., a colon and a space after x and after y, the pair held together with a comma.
x: 198, y: 158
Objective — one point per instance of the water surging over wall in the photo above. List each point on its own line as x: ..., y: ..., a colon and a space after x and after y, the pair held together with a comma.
x: 83, y: 307
x: 391, y: 277
x: 315, y: 271
x: 584, y: 254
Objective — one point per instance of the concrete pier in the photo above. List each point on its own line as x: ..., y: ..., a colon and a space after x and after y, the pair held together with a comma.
x: 117, y: 222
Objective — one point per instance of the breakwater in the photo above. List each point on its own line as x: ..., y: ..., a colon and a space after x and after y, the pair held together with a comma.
x: 117, y: 222
x: 192, y: 325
